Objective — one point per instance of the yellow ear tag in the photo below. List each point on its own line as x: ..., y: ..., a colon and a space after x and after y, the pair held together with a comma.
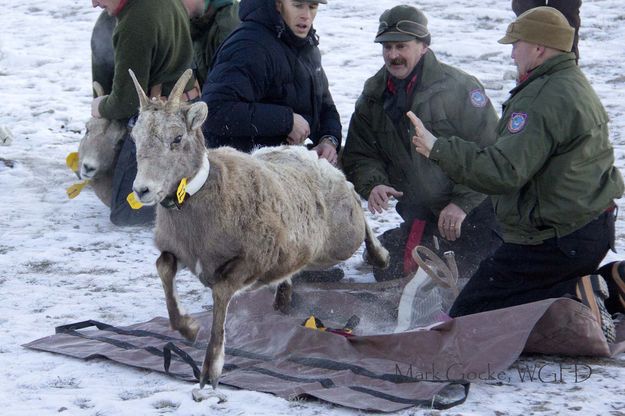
x: 181, y: 193
x: 133, y: 202
x: 310, y: 323
x: 75, y: 189
x: 72, y: 161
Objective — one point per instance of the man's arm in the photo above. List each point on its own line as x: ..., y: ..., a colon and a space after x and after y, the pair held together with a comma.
x: 362, y: 163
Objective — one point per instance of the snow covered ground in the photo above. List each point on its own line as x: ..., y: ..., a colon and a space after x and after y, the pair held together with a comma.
x: 62, y: 261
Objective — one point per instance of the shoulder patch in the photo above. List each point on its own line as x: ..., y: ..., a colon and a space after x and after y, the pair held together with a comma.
x: 517, y: 122
x: 478, y: 98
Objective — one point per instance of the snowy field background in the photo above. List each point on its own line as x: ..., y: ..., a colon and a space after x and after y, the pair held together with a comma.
x: 62, y: 261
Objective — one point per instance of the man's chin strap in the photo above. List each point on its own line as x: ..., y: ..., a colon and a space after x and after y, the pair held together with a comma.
x: 188, y: 189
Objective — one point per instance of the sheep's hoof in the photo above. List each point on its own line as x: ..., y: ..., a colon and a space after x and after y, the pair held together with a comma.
x: 206, y: 377
x: 282, y: 300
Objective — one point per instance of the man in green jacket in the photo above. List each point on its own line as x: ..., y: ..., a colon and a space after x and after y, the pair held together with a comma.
x: 381, y: 163
x: 211, y: 21
x: 551, y: 173
x: 152, y: 38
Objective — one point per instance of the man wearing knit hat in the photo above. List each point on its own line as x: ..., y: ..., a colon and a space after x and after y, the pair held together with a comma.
x: 380, y: 161
x: 551, y: 175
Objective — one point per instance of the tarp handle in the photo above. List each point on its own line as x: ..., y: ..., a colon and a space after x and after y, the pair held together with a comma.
x: 167, y: 350
x: 63, y: 329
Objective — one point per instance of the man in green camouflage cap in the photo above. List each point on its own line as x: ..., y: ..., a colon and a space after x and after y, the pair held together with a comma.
x: 382, y: 164
x: 551, y: 175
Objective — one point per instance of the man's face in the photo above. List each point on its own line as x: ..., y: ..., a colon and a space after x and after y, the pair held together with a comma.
x: 109, y: 5
x: 298, y: 15
x: 400, y: 58
x: 525, y: 57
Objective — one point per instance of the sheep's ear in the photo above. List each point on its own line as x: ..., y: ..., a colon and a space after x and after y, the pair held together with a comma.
x: 196, y: 114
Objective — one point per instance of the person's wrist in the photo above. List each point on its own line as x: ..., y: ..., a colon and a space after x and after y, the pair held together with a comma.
x: 330, y: 139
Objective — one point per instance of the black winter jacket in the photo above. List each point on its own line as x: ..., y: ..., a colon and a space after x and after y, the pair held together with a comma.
x: 262, y: 74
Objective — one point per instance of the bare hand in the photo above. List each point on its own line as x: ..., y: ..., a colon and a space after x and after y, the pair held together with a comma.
x: 326, y: 151
x: 95, y: 104
x: 423, y: 139
x: 450, y: 221
x: 379, y: 197
x: 300, y: 131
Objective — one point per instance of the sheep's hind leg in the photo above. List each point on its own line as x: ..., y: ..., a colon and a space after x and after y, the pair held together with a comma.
x: 282, y: 301
x: 167, y: 266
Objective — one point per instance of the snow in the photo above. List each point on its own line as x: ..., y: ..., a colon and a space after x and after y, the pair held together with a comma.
x: 62, y: 261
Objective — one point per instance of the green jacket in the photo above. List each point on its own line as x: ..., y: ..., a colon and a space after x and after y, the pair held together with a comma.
x: 208, y: 32
x: 152, y: 38
x: 450, y: 103
x: 552, y: 169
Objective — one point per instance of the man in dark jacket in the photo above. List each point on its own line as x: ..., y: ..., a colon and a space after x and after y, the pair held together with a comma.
x: 152, y: 38
x: 267, y: 86
x: 551, y: 174
x: 379, y: 159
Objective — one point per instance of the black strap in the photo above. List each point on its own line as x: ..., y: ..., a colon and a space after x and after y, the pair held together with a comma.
x: 167, y: 350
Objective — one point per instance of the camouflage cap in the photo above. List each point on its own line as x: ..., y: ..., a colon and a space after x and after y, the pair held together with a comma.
x: 403, y: 23
x: 543, y: 26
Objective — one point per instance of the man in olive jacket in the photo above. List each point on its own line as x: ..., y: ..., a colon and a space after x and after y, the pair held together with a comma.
x: 551, y: 173
x: 380, y: 161
x: 152, y: 38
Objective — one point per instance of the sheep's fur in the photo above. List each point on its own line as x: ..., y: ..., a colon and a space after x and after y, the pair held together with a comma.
x: 258, y: 219
x: 98, y: 152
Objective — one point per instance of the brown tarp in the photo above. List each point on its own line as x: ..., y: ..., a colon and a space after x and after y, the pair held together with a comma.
x: 375, y: 370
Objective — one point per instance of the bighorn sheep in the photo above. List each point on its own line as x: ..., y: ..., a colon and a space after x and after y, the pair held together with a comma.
x: 98, y: 151
x: 244, y: 221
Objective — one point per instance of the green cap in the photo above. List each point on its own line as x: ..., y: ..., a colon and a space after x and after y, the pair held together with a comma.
x: 401, y: 24
x: 544, y: 26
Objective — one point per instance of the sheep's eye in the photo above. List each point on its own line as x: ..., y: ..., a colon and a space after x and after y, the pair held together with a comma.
x: 177, y: 140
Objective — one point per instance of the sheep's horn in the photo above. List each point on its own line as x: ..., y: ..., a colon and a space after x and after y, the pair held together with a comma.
x: 174, y: 96
x: 99, y: 91
x: 143, y: 99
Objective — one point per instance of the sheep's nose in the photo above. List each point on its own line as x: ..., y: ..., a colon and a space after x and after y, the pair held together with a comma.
x: 87, y: 169
x: 141, y: 191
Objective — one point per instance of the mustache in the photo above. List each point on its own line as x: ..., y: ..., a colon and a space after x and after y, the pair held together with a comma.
x: 397, y: 61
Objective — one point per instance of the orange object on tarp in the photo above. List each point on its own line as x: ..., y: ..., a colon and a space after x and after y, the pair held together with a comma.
x: 375, y: 370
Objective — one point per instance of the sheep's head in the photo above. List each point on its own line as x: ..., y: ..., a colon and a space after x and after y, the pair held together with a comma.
x: 169, y: 140
x: 100, y: 145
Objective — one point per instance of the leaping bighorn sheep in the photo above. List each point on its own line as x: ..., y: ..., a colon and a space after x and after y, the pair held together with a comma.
x: 244, y: 221
x: 98, y: 151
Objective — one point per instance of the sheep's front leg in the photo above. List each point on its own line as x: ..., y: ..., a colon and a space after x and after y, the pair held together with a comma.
x: 167, y: 266
x: 282, y: 300
x: 215, y: 352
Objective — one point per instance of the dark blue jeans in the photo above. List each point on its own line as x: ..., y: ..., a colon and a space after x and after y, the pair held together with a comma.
x: 516, y: 274
x: 124, y: 176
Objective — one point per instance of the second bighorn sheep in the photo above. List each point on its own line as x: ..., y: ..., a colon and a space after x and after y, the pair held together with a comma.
x: 98, y: 151
x: 244, y: 221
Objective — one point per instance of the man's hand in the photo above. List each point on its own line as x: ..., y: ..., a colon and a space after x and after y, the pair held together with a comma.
x: 450, y: 221
x: 379, y: 197
x: 423, y: 139
x: 95, y: 104
x: 300, y: 131
x: 326, y: 151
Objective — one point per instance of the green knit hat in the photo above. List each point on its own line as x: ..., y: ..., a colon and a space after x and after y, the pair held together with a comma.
x: 402, y: 24
x: 543, y: 26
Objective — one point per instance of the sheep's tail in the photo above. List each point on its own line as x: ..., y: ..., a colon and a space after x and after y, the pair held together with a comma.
x: 376, y: 254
